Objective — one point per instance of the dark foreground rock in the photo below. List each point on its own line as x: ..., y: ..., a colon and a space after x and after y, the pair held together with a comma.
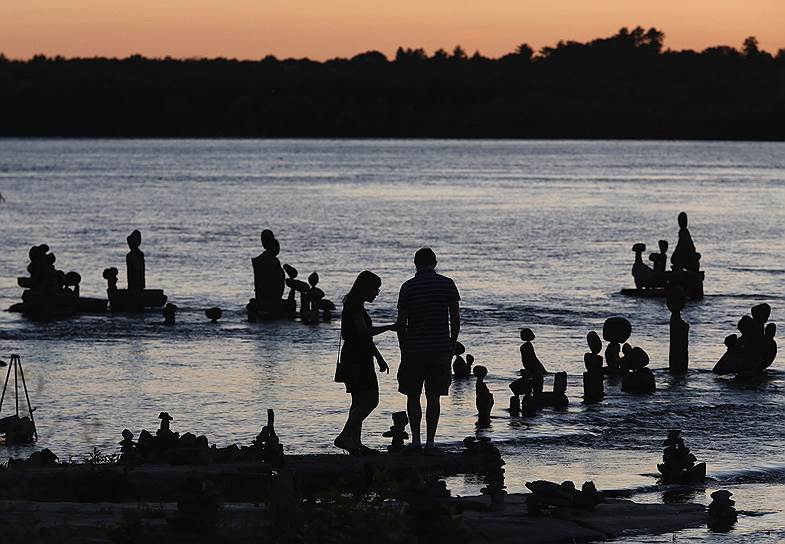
x: 238, y: 481
x: 471, y: 520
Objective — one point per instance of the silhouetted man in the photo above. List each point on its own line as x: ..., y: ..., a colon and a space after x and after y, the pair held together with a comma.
x: 428, y: 327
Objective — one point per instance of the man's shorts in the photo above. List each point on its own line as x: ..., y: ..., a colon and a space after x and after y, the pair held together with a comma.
x: 431, y: 368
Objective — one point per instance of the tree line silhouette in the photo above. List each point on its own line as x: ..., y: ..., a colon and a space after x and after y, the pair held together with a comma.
x: 623, y: 86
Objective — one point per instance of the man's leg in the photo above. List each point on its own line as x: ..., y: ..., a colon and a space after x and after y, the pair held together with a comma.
x: 432, y: 411
x: 414, y: 410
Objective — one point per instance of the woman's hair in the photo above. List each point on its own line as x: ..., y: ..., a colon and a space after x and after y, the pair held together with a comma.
x: 366, y: 281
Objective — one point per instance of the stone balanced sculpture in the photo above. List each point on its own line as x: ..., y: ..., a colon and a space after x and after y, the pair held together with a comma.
x: 593, y: 384
x: 678, y: 353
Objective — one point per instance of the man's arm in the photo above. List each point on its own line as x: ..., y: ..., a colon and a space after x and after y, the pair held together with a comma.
x: 455, y: 321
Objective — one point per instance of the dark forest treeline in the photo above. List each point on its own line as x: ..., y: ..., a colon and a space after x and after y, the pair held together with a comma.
x: 624, y: 86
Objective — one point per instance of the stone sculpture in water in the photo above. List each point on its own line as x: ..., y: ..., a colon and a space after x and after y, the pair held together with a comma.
x: 755, y: 350
x: 136, y: 297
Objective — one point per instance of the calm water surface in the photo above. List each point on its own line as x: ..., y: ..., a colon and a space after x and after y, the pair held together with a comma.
x: 535, y: 234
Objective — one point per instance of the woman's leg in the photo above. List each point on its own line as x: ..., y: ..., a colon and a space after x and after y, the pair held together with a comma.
x: 363, y: 403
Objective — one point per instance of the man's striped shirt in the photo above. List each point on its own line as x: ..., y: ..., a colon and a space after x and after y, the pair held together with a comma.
x: 425, y: 300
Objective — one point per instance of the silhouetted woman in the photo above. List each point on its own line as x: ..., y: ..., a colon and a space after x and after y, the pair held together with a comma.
x: 355, y: 368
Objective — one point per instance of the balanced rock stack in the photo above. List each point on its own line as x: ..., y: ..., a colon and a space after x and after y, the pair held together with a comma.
x: 637, y: 378
x: 547, y: 495
x: 397, y: 432
x: 679, y: 464
x: 615, y: 331
x: 593, y: 385
x: 169, y: 447
x: 460, y: 367
x: 722, y: 513
x: 556, y: 398
x: 755, y: 350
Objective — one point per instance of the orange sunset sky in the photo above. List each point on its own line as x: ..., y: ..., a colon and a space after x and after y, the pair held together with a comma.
x: 321, y: 29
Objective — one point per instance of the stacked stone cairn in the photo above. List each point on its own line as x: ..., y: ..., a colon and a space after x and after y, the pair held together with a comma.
x: 556, y: 398
x: 494, y: 478
x: 529, y: 358
x: 267, y: 444
x: 169, y: 447
x: 460, y: 367
x: 397, y: 432
x: 637, y: 377
x: 678, y: 351
x: 679, y: 464
x: 169, y: 312
x: 593, y: 384
x: 48, y: 292
x: 754, y: 351
x: 546, y: 496
x: 316, y: 302
x: 312, y: 300
x: 615, y: 331
x: 136, y: 298
x: 722, y: 514
x: 483, y: 397
x: 289, y: 304
x: 641, y: 273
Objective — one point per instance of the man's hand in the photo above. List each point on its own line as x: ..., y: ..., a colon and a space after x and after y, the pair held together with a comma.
x: 383, y: 366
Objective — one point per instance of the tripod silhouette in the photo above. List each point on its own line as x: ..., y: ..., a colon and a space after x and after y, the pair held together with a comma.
x: 15, y: 364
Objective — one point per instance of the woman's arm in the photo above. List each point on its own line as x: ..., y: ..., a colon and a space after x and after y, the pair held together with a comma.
x: 362, y: 327
x: 383, y: 366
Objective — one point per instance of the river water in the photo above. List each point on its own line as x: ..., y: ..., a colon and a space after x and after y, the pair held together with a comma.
x: 535, y: 234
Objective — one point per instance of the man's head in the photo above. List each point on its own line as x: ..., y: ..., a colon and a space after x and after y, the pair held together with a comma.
x: 425, y: 258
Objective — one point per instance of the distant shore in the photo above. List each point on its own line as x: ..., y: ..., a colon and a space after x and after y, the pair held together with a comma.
x: 626, y: 86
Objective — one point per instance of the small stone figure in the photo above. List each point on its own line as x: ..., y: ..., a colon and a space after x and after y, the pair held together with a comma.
x: 136, y: 297
x: 397, y: 432
x: 290, y: 305
x: 615, y: 330
x: 484, y: 398
x: 309, y: 307
x: 268, y: 276
x: 593, y: 384
x: 642, y: 274
x: 660, y: 264
x: 556, y: 398
x: 169, y: 312
x: 678, y: 464
x: 50, y: 293
x: 134, y: 261
x: 164, y: 435
x: 213, y: 314
x: 128, y: 453
x: 459, y: 366
x: 494, y: 485
x: 752, y: 352
x: 637, y: 378
x: 529, y: 358
x: 267, y: 442
x: 722, y: 514
x: 678, y: 354
x: 684, y: 256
